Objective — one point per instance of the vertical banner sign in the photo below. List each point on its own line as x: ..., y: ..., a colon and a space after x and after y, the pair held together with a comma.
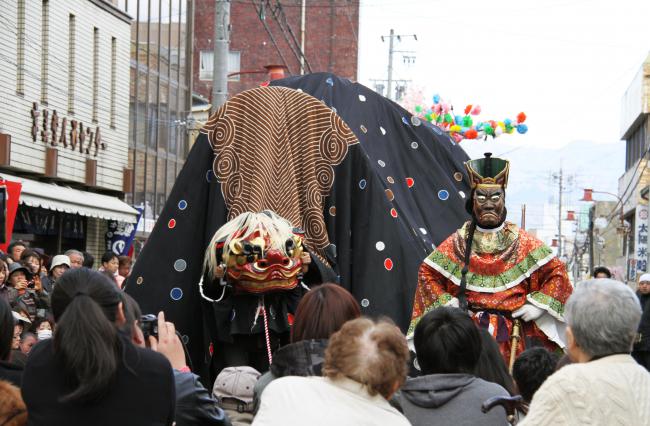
x: 641, y: 238
x: 120, y: 235
x: 11, y: 202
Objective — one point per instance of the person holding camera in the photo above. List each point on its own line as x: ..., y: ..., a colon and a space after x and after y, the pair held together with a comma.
x: 30, y: 296
x: 194, y: 404
x: 89, y: 372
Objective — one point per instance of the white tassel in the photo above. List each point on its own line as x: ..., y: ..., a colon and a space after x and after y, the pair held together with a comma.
x: 223, y: 292
x: 260, y: 305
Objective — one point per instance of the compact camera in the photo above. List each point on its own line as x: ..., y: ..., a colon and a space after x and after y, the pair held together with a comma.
x: 149, y: 326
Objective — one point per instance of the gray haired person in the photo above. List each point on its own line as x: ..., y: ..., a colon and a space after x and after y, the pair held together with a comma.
x: 605, y: 385
x: 76, y: 258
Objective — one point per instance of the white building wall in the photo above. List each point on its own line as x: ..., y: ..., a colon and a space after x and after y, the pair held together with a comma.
x: 28, y: 155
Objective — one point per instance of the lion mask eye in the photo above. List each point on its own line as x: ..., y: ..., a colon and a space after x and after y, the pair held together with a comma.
x: 236, y: 247
x: 290, y: 245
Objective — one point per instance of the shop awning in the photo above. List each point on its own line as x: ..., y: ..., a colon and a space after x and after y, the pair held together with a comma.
x: 64, y: 199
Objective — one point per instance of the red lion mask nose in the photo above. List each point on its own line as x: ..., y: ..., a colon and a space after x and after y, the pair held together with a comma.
x: 276, y: 257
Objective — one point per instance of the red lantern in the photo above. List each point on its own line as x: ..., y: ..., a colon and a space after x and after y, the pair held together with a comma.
x: 588, y: 195
x: 554, y: 242
x: 570, y: 215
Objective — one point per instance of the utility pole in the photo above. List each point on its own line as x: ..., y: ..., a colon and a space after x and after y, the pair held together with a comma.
x: 592, y: 215
x: 559, y: 217
x: 303, y: 8
x: 389, y: 84
x: 221, y: 51
x: 391, y: 50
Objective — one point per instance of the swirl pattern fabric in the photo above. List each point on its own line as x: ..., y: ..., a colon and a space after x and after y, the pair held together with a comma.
x: 282, y: 163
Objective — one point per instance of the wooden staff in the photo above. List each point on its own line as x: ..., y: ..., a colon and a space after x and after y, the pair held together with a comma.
x: 514, y: 343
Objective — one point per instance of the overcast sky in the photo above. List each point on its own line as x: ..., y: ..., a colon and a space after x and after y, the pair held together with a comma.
x: 565, y: 63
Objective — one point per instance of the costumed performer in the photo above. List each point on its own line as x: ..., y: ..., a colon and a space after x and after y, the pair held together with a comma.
x: 505, y: 277
x: 255, y: 264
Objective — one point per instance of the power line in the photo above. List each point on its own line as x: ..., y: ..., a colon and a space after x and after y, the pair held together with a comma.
x: 260, y: 14
x: 299, y: 54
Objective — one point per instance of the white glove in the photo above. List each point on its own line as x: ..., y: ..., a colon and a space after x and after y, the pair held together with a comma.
x: 528, y: 312
x: 453, y: 303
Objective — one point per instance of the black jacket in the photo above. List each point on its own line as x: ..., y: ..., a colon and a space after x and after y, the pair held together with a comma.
x: 10, y: 372
x: 643, y: 342
x: 194, y: 404
x: 142, y: 393
x: 304, y: 358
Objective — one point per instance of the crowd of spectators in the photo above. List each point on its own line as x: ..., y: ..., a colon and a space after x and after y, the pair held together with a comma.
x: 72, y: 351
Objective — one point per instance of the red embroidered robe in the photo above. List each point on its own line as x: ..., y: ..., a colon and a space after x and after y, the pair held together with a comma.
x: 508, y: 268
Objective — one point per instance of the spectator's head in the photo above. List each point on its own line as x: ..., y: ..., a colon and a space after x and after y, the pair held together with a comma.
x: 87, y: 310
x: 644, y: 284
x: 447, y: 341
x: 21, y: 323
x: 563, y: 362
x: 27, y: 340
x: 60, y: 263
x: 6, y: 330
x: 602, y: 317
x: 89, y: 260
x: 76, y: 258
x: 124, y: 268
x: 43, y: 328
x: 490, y: 366
x: 531, y: 369
x: 110, y: 262
x: 323, y: 311
x: 374, y: 354
x: 12, y: 407
x: 15, y: 249
x: 132, y: 314
x: 602, y: 272
x: 31, y: 260
x: 15, y: 342
x: 4, y: 271
x: 18, y: 274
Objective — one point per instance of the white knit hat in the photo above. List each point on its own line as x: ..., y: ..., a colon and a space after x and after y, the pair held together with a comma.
x: 60, y: 259
x: 645, y: 277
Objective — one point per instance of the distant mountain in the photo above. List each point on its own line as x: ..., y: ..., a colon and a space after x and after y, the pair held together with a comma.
x: 585, y: 165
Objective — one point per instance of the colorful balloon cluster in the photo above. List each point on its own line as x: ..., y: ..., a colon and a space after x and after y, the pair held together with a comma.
x: 468, y: 126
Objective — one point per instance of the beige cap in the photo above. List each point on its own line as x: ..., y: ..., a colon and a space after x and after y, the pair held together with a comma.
x: 236, y: 383
x: 58, y: 260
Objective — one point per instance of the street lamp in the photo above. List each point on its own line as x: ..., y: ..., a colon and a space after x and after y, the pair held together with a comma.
x: 588, y: 196
x: 623, y: 227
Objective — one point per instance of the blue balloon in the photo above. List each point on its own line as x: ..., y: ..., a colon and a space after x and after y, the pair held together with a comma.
x: 522, y: 128
x: 507, y: 122
x: 436, y: 99
x: 459, y: 119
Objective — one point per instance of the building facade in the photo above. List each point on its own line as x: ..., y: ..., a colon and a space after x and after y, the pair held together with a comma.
x: 635, y: 131
x: 159, y: 102
x: 64, y: 118
x: 269, y: 33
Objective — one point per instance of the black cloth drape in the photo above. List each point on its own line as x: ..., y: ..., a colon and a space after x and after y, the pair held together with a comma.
x: 396, y: 194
